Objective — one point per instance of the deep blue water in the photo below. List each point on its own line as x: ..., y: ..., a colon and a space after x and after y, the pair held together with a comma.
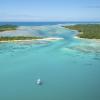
x: 69, y: 68
x: 42, y: 23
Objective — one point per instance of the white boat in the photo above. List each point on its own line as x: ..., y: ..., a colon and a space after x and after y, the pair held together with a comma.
x: 39, y: 82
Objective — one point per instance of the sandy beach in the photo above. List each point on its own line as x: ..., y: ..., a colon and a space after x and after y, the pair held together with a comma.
x: 92, y: 40
x: 44, y: 39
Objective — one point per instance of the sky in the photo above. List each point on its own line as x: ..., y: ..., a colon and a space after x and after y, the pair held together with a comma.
x: 49, y: 10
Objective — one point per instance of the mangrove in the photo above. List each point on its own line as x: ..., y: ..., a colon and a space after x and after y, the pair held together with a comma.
x: 90, y: 31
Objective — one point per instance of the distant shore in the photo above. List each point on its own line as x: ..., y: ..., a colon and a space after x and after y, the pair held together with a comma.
x: 93, y: 40
x: 8, y: 28
x: 38, y: 39
x: 88, y: 31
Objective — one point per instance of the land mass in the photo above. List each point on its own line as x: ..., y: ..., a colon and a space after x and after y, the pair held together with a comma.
x: 89, y: 31
x: 18, y: 38
x: 7, y: 27
x: 14, y: 27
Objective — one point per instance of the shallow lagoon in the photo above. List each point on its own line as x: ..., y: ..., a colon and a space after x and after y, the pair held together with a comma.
x: 69, y: 68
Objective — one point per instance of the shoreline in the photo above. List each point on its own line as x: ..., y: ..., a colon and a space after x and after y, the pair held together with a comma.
x: 86, y: 31
x: 7, y: 31
x: 77, y: 37
x: 28, y: 40
x: 95, y: 40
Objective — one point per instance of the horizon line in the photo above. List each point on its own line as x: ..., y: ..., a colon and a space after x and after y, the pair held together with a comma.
x: 49, y: 21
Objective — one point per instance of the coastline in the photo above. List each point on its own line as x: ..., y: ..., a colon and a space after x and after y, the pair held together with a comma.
x: 86, y: 31
x: 7, y: 31
x: 77, y: 37
x: 28, y: 40
x: 22, y: 38
x: 95, y: 40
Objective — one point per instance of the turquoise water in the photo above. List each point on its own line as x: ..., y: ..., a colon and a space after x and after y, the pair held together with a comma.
x: 69, y: 68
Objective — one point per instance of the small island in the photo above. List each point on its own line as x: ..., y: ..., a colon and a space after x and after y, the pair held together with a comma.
x: 14, y: 38
x: 89, y: 31
x: 7, y: 27
x: 18, y: 38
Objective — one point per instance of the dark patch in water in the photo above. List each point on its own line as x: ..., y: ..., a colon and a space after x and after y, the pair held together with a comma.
x: 96, y: 58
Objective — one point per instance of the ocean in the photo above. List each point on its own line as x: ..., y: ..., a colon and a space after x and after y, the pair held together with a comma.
x: 69, y: 68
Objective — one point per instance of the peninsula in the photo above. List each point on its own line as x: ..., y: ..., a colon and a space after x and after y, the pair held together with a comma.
x: 89, y: 31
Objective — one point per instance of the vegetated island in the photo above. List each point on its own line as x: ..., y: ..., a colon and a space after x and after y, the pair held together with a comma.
x: 15, y: 38
x: 89, y: 31
x: 18, y: 38
x: 7, y: 27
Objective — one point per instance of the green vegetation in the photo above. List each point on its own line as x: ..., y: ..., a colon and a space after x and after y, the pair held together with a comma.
x: 90, y: 31
x: 14, y: 27
x: 7, y: 27
x: 18, y: 38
